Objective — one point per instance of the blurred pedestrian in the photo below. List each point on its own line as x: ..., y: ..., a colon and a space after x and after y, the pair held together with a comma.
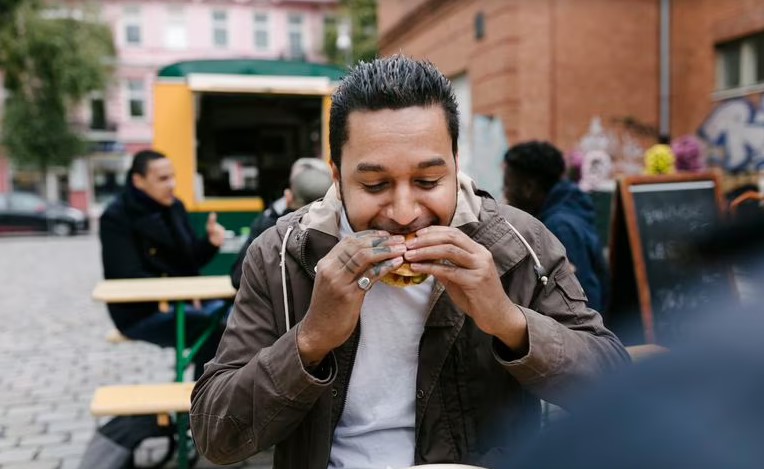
x: 533, y: 182
x: 309, y: 180
x: 145, y: 232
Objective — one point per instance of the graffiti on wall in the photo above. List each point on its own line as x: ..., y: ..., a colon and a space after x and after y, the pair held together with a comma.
x: 734, y: 132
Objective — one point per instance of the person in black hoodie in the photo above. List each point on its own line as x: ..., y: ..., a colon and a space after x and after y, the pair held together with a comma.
x: 533, y: 182
x: 145, y: 233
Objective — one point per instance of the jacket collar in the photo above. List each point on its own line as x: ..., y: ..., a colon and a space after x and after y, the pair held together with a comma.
x: 151, y: 219
x: 324, y: 215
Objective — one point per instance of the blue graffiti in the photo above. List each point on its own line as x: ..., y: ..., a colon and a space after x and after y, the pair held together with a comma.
x: 735, y: 133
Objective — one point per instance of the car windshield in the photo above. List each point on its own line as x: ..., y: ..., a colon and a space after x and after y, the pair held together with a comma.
x: 26, y: 202
x: 3, y: 202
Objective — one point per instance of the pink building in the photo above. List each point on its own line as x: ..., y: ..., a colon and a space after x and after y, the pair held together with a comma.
x: 150, y: 34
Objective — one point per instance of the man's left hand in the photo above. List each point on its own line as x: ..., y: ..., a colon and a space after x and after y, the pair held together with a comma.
x: 215, y: 231
x: 466, y: 270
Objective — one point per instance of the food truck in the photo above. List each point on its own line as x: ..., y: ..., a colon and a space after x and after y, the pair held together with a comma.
x: 232, y: 129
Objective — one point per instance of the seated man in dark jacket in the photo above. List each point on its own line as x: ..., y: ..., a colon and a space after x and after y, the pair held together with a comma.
x: 533, y: 182
x: 309, y: 179
x: 145, y: 232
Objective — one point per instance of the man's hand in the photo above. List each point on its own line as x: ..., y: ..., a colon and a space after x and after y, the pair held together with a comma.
x: 337, y: 296
x: 215, y: 231
x: 466, y: 270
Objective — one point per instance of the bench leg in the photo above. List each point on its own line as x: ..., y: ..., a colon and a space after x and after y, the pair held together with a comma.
x: 183, y: 443
x: 163, y: 420
x: 183, y: 357
x: 180, y: 337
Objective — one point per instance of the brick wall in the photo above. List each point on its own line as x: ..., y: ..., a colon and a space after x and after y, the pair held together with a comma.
x: 390, y: 12
x: 607, y: 64
x: 546, y: 67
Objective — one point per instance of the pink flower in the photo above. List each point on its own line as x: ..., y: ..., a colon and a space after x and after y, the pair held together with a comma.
x: 575, y: 159
x: 689, y: 153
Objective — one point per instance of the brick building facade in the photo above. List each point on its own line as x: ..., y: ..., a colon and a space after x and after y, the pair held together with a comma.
x: 547, y: 68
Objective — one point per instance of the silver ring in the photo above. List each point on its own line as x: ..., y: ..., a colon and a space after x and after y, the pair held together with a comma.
x: 364, y: 283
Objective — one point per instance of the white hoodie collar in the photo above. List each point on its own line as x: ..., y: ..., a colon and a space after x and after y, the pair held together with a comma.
x: 324, y: 215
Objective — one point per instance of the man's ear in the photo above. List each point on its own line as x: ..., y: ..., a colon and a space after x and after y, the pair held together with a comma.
x: 532, y: 189
x: 289, y: 198
x: 336, y: 178
x: 139, y: 182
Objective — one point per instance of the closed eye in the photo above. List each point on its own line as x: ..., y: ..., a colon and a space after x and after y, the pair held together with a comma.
x: 428, y: 183
x: 374, y: 188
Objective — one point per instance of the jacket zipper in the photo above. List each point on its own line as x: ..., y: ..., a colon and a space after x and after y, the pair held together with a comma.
x: 356, y: 341
x: 302, y: 237
x: 346, y: 386
x: 431, y: 306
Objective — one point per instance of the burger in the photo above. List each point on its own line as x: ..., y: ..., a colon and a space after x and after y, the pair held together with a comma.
x: 403, y: 276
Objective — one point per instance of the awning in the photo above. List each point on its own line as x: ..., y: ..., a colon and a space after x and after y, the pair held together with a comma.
x: 219, y: 83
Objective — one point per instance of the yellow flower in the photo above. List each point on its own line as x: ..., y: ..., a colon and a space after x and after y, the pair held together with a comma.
x: 659, y: 159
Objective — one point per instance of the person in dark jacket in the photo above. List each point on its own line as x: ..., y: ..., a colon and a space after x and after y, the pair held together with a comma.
x: 309, y: 180
x: 145, y: 233
x: 533, y: 182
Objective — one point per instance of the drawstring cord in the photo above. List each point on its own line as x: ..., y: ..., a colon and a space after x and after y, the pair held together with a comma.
x: 537, y: 267
x: 283, y: 277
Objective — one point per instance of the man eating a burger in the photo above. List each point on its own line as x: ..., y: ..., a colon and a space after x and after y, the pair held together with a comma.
x: 406, y: 318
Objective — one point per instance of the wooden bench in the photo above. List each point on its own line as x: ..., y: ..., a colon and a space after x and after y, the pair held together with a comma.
x: 142, y: 399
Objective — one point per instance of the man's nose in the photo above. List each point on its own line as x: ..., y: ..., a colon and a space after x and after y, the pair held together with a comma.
x: 404, y: 209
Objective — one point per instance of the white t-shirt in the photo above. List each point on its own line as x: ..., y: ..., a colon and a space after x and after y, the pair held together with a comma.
x: 376, y: 428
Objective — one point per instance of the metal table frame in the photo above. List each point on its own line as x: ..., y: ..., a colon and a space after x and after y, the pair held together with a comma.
x: 179, y: 290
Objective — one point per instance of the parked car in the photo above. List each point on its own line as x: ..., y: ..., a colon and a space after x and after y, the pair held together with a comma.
x: 22, y: 212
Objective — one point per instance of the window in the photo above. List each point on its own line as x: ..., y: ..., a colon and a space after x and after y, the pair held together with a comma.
x: 330, y: 23
x: 330, y: 34
x: 729, y: 57
x: 295, y: 42
x: 261, y: 31
x: 97, y: 113
x: 136, y: 98
x: 758, y: 50
x: 220, y: 28
x: 132, y: 23
x: 25, y: 202
x: 740, y: 63
x: 175, y: 29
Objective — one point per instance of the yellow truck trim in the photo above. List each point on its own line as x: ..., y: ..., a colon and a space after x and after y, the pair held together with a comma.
x: 175, y: 136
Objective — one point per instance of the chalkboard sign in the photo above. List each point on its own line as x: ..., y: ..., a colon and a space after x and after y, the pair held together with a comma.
x: 652, y: 265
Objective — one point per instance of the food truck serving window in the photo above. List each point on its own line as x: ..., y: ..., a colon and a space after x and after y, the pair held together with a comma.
x: 246, y: 142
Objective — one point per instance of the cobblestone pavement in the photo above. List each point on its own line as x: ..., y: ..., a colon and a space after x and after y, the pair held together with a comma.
x: 53, y: 353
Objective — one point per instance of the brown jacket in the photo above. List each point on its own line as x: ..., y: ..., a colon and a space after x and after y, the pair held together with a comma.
x: 473, y: 396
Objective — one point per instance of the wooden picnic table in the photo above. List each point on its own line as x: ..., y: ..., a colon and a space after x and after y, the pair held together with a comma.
x: 178, y: 290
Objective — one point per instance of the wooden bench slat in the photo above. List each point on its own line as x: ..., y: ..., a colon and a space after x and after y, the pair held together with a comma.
x: 141, y: 399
